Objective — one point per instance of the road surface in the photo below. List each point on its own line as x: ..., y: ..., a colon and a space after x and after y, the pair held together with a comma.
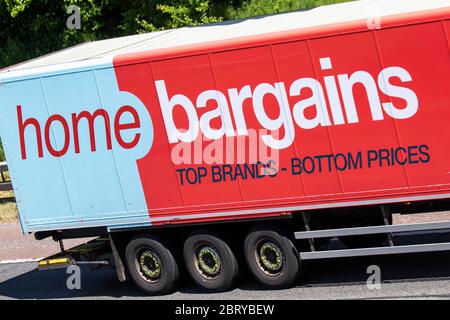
x: 411, y: 276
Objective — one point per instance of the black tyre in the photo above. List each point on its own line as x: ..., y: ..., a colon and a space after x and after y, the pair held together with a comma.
x: 151, y: 265
x: 210, y: 262
x: 271, y: 258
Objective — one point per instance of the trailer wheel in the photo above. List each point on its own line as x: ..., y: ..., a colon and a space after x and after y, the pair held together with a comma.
x: 210, y: 262
x: 271, y: 258
x: 151, y: 265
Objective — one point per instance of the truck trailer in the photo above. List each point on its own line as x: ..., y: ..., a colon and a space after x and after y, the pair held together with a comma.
x: 245, y: 144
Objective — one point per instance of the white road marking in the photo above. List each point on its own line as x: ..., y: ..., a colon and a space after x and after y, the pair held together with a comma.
x: 19, y: 261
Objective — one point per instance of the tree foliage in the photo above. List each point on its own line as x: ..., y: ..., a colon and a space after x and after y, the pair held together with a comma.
x: 262, y: 7
x: 30, y: 28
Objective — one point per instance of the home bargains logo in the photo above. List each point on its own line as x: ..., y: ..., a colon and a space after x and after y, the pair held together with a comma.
x: 127, y: 121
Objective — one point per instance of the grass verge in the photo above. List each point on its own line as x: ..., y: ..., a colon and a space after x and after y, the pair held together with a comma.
x: 8, y: 207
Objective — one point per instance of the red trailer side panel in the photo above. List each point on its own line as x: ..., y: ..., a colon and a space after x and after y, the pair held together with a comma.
x: 346, y: 115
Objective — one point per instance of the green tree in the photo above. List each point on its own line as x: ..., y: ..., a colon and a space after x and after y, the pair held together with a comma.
x: 146, y: 16
x: 2, y: 153
x: 30, y: 28
x: 251, y: 8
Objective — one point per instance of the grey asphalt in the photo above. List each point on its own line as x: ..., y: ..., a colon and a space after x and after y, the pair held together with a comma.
x: 411, y: 276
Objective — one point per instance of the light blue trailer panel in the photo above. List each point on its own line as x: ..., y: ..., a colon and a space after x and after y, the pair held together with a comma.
x: 84, y: 189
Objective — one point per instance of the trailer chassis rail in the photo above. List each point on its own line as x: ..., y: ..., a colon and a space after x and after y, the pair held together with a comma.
x: 385, y: 250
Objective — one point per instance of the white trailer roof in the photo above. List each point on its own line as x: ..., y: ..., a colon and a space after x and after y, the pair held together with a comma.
x: 97, y: 52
